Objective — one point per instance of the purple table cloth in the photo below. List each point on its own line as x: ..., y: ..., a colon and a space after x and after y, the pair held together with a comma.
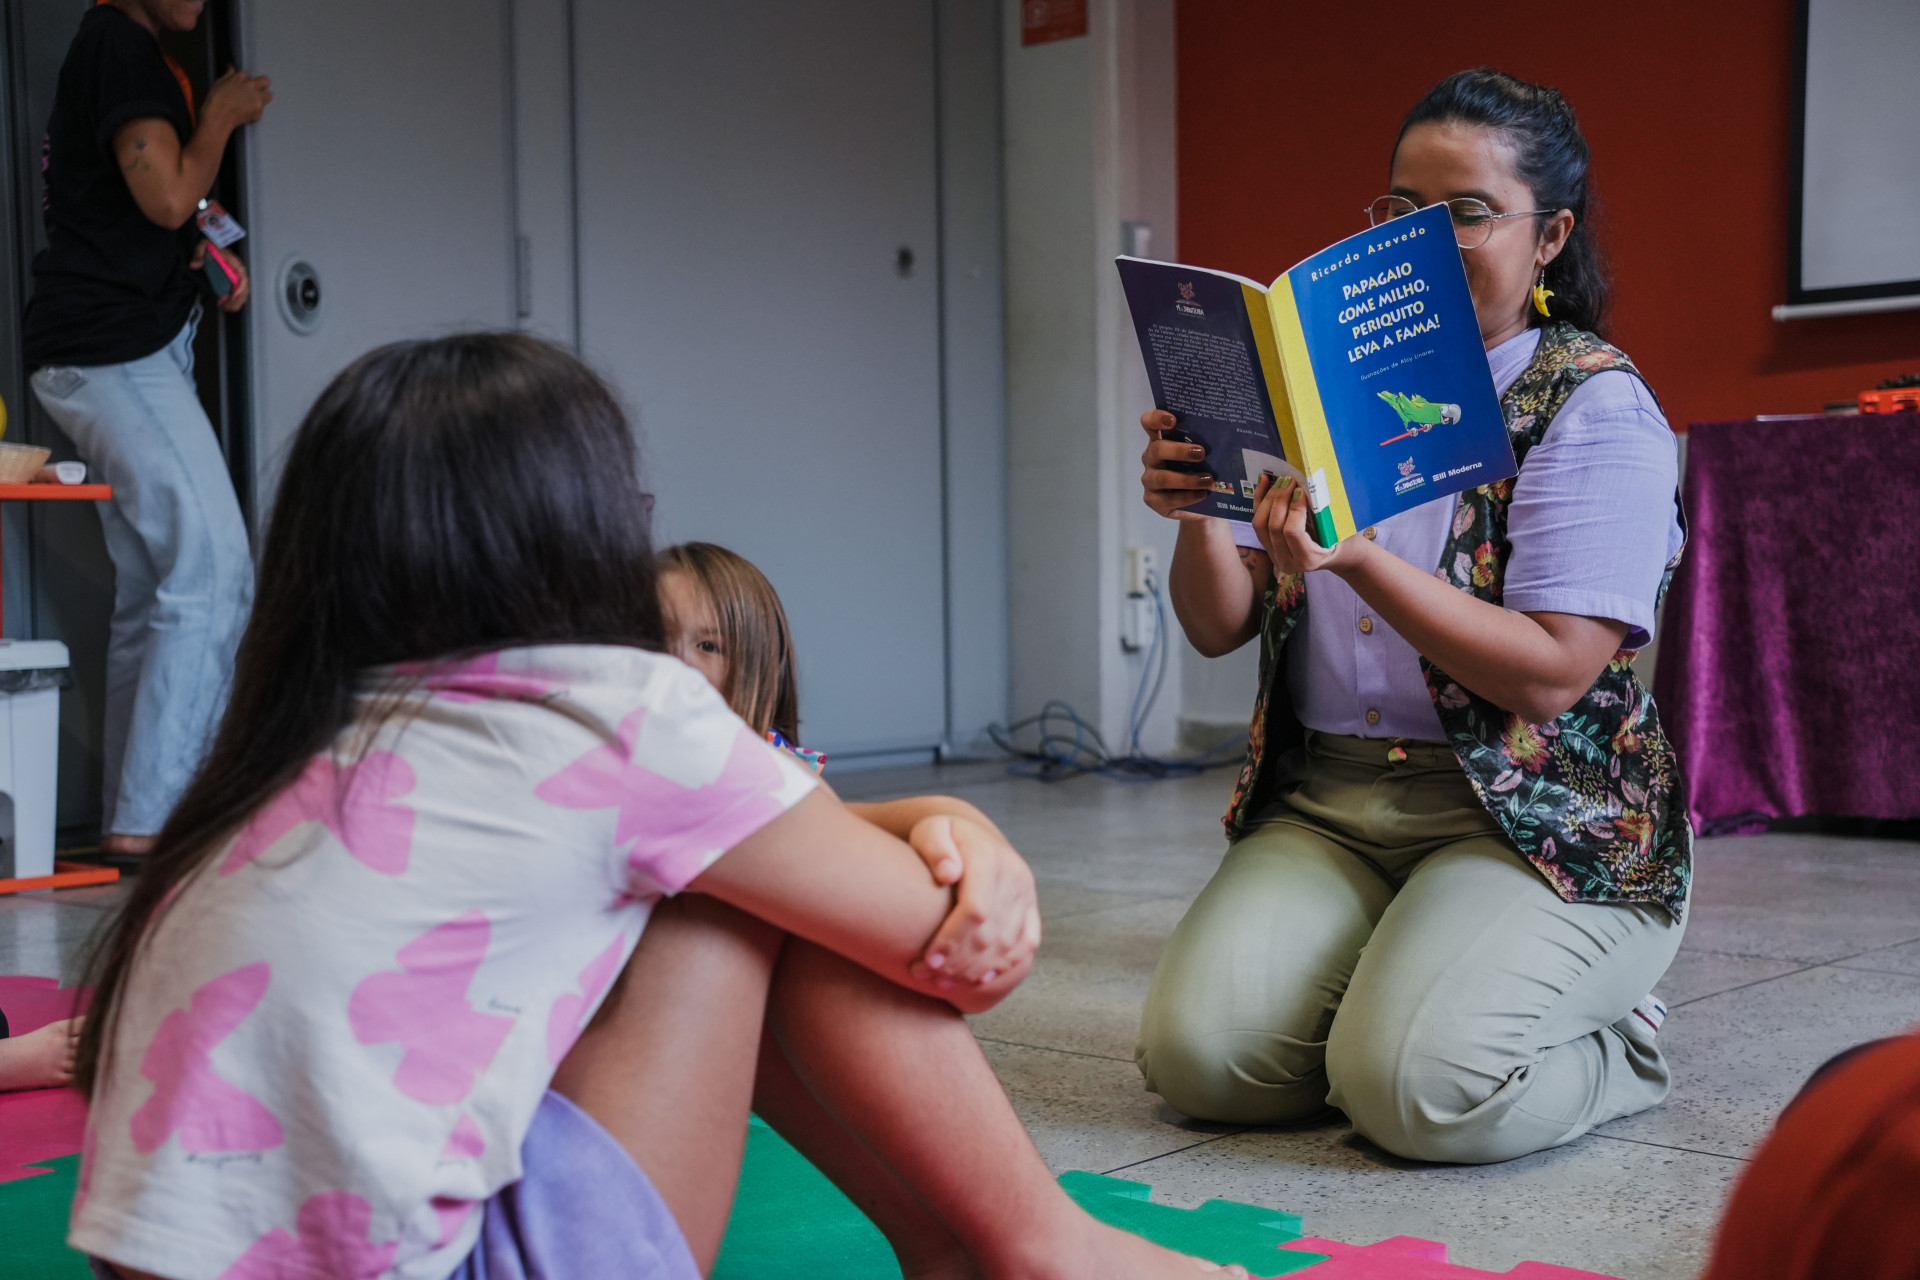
x: 1789, y: 666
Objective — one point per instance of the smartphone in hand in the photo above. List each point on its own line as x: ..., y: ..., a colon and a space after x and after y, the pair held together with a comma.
x: 218, y: 272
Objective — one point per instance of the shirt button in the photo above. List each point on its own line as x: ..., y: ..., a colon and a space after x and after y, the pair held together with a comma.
x: 1366, y: 626
x: 1371, y: 534
x: 1373, y: 716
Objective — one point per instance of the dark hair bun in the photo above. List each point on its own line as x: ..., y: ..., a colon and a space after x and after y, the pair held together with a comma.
x: 1552, y: 160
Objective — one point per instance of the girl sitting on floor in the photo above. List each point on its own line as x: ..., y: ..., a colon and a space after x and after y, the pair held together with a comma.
x: 346, y: 1023
x: 725, y: 620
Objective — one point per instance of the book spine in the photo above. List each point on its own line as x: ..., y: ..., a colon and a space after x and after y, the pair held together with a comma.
x: 1332, y: 516
x: 1260, y: 320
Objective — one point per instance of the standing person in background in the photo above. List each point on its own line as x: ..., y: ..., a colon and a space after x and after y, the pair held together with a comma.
x: 109, y: 335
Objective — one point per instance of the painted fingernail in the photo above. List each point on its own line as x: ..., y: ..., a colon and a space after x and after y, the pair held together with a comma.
x: 989, y: 975
x: 938, y: 960
x: 1195, y: 451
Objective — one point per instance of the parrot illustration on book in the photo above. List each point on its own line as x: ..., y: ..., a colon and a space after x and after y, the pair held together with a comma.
x: 1418, y: 414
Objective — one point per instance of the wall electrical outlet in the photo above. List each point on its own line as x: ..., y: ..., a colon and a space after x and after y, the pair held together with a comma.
x: 1143, y: 571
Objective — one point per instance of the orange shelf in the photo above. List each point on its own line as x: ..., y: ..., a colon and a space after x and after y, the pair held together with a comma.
x: 51, y: 493
x: 55, y: 492
x: 66, y: 875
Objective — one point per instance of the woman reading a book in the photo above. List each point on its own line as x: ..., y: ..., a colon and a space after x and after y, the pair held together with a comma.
x: 1460, y: 856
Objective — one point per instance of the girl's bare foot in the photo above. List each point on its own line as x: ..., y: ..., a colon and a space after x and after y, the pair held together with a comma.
x: 955, y: 1268
x: 40, y: 1059
x: 1108, y: 1254
x: 1119, y: 1253
x: 127, y: 846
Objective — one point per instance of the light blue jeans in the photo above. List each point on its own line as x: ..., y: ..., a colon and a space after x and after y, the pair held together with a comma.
x: 183, y: 576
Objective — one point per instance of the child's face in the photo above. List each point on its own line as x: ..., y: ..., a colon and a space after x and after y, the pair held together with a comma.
x: 693, y: 632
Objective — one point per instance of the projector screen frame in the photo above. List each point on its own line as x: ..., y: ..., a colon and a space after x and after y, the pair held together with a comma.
x: 1892, y: 295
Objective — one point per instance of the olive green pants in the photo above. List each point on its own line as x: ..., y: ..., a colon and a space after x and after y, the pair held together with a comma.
x: 1377, y: 944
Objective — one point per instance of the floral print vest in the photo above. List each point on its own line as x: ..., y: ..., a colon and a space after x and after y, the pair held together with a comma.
x: 1592, y: 799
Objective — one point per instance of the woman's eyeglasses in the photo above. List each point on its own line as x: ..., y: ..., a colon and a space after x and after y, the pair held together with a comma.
x: 1473, y: 220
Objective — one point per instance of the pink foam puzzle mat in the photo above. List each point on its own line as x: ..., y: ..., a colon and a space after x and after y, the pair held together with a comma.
x: 1267, y: 1242
x: 31, y: 1003
x: 1411, y: 1258
x: 38, y: 1124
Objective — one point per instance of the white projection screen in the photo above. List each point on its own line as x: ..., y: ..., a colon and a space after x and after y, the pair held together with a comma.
x: 1856, y: 160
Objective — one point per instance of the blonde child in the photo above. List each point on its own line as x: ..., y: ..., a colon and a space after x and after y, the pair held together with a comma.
x: 725, y: 620
x: 346, y: 1024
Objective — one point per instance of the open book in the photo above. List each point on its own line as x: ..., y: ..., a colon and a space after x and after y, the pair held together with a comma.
x: 1360, y: 371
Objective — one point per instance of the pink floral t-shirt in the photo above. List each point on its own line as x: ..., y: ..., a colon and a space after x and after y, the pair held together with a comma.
x: 334, y: 1041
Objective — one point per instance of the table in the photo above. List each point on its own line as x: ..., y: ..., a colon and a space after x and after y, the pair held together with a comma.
x: 65, y: 875
x: 1789, y: 671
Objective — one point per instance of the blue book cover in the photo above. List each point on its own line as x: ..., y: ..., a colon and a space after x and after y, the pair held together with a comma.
x: 1366, y: 359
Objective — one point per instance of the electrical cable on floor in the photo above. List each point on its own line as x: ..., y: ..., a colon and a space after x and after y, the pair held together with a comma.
x: 1066, y: 746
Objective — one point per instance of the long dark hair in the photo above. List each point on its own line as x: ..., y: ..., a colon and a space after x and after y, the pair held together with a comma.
x: 442, y: 498
x: 761, y: 686
x: 1552, y: 159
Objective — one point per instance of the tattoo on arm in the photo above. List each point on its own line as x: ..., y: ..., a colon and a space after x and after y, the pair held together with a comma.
x: 1257, y: 564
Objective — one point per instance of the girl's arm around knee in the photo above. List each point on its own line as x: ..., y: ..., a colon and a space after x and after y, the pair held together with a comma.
x: 899, y: 817
x: 824, y: 873
x: 995, y: 921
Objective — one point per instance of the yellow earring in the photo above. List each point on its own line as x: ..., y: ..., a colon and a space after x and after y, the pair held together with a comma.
x: 1541, y: 293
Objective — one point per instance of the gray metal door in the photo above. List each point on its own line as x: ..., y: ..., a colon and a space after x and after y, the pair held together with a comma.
x: 759, y: 272
x: 384, y: 166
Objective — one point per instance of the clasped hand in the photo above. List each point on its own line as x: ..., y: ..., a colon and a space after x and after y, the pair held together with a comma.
x: 989, y: 938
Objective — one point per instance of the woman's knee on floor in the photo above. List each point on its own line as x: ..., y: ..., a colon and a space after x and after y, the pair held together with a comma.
x: 1232, y: 1075
x: 1418, y: 1102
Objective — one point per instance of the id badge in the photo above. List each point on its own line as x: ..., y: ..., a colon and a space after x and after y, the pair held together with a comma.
x: 217, y: 225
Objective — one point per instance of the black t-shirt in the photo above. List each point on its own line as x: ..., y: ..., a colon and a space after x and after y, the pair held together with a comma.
x: 111, y: 286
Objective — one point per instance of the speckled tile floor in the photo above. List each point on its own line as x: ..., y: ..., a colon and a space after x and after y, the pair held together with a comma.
x: 1799, y: 946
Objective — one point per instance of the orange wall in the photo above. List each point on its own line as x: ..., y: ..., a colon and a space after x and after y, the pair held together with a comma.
x: 1288, y: 112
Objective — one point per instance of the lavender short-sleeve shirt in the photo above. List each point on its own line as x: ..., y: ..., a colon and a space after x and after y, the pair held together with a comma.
x: 1593, y: 524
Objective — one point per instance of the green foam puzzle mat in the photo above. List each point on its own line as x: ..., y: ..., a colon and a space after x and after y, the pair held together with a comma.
x: 1219, y: 1230
x: 789, y: 1220
x: 790, y: 1223
x: 33, y: 1224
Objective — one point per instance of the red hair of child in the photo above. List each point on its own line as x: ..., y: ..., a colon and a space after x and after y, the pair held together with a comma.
x: 1834, y: 1190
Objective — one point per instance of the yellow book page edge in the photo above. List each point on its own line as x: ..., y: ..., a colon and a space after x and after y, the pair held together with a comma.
x: 1261, y: 318
x: 1309, y: 415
